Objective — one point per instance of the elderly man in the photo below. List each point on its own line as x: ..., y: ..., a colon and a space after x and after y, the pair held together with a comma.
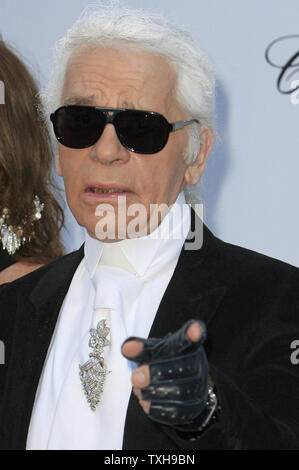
x: 202, y: 332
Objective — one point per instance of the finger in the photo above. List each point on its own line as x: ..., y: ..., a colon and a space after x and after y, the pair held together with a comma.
x: 188, y: 338
x: 131, y: 348
x: 179, y: 367
x: 137, y: 393
x: 145, y: 404
x: 141, y: 377
x: 195, y: 331
x: 143, y: 353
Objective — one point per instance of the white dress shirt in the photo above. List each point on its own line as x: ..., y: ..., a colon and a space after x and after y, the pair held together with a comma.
x: 132, y: 276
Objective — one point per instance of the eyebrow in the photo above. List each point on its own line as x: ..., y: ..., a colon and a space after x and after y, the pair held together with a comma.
x: 89, y: 101
x: 79, y: 100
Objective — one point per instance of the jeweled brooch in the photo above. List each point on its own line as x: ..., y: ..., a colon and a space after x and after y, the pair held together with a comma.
x: 93, y: 373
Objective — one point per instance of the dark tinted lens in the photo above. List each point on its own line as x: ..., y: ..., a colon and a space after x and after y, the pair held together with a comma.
x: 142, y: 132
x: 78, y: 126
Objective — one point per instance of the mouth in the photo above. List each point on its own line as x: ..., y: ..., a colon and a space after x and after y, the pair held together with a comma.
x: 103, y: 190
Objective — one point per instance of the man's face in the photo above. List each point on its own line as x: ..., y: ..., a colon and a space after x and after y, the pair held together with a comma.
x: 123, y: 78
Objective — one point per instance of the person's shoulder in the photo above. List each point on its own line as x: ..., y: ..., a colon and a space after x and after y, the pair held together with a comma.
x: 243, y: 265
x: 17, y: 270
x: 65, y: 263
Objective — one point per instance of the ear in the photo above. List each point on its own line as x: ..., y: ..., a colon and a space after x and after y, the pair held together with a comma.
x: 57, y: 162
x: 195, y: 169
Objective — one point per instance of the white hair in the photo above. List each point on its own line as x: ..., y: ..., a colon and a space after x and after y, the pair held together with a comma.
x: 109, y: 25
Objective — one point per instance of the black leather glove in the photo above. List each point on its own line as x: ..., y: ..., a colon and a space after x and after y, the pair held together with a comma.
x: 179, y: 376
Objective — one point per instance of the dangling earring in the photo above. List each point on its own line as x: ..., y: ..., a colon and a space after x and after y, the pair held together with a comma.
x: 13, y: 237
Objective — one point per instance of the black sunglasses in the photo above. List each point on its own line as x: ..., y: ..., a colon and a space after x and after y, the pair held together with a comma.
x: 144, y: 132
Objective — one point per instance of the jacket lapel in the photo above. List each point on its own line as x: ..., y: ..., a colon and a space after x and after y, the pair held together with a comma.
x: 194, y: 290
x: 36, y: 317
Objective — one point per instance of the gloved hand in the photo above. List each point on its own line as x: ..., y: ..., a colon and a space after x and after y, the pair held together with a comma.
x: 172, y: 380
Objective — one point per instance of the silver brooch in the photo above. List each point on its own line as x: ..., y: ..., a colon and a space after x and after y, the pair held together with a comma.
x: 93, y: 372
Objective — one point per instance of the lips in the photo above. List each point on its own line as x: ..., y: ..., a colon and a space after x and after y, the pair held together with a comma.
x: 105, y: 191
x: 106, y: 188
x: 100, y: 190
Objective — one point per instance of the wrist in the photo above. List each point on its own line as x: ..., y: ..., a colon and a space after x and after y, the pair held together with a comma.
x: 209, y: 416
x: 211, y: 411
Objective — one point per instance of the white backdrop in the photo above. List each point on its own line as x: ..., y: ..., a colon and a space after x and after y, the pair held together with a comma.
x: 250, y: 187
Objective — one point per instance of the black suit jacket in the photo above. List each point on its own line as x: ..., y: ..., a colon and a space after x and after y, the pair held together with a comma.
x: 250, y: 304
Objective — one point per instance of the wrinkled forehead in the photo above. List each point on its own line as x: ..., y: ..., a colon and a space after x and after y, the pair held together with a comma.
x: 134, y: 76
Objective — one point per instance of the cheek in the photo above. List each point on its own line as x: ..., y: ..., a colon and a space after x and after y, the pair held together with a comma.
x: 175, y: 169
x: 166, y: 179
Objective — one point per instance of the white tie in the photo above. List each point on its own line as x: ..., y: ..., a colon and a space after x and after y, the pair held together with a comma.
x: 112, y: 292
x: 74, y: 425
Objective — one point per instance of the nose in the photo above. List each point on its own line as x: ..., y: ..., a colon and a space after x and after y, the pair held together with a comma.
x: 108, y: 148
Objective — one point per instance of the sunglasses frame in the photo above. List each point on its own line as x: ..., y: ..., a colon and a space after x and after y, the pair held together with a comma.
x: 111, y: 113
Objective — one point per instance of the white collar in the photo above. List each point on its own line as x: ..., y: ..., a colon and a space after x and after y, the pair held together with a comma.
x: 166, y: 241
